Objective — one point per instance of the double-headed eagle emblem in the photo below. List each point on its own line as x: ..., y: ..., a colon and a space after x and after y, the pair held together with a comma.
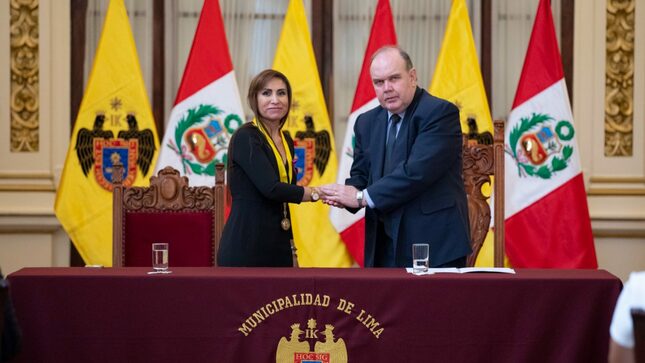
x: 327, y: 348
x: 312, y: 148
x: 98, y: 149
x: 322, y: 143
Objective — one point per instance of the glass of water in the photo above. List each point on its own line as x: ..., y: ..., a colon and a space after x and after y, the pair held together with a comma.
x: 160, y: 257
x: 420, y: 257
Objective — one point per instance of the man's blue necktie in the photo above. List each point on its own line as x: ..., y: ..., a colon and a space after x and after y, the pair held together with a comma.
x: 388, y: 164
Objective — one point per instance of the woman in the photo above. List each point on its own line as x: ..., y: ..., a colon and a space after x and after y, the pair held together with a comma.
x: 262, y: 180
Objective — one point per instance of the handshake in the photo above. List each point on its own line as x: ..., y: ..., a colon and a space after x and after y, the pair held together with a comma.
x: 339, y: 195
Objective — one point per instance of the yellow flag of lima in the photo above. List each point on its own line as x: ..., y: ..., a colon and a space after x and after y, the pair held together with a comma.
x: 114, y: 125
x: 457, y: 78
x: 317, y: 241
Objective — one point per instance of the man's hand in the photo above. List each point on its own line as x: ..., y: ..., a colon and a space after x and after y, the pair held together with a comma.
x: 339, y: 195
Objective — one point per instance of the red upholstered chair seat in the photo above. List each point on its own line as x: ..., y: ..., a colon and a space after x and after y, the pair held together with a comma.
x: 189, y: 236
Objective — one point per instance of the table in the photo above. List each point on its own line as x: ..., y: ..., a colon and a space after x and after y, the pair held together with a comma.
x: 360, y: 315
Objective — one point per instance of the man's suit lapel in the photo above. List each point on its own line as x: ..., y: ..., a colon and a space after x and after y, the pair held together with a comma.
x: 401, y: 150
x: 407, y: 132
x: 378, y: 142
x: 410, y: 131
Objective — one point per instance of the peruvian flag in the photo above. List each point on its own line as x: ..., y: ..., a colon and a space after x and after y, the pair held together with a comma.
x: 208, y: 109
x: 547, y: 219
x: 352, y: 226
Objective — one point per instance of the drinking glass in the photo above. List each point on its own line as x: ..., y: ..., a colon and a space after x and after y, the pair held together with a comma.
x: 160, y: 256
x: 420, y: 257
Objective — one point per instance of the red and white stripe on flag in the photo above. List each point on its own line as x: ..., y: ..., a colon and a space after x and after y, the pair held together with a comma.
x: 352, y: 226
x: 207, y: 109
x: 547, y: 218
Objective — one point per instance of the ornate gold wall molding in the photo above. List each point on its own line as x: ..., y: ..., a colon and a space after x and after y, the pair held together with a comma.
x: 619, y: 78
x: 24, y: 76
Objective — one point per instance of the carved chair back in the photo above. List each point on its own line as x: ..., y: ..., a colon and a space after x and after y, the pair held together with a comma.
x: 481, y: 161
x: 189, y: 219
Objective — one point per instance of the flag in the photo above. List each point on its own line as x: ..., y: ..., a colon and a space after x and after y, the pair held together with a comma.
x: 352, y: 226
x: 114, y: 124
x: 458, y: 79
x: 317, y: 241
x: 207, y: 109
x: 547, y: 219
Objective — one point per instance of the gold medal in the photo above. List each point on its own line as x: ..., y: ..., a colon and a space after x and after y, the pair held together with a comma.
x: 285, y: 223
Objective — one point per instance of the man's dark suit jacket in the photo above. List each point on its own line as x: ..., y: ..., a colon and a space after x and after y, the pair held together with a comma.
x: 423, y: 199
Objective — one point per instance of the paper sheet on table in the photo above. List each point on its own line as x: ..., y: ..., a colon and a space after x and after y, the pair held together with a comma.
x: 501, y: 270
x: 463, y: 270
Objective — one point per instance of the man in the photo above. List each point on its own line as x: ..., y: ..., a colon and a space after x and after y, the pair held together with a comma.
x: 407, y: 171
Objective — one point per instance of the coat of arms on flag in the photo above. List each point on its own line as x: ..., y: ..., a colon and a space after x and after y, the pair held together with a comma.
x: 109, y: 152
x: 201, y: 138
x: 98, y: 149
x: 540, y: 146
x: 312, y: 148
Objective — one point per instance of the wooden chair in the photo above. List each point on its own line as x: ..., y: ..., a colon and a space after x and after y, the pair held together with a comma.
x: 480, y: 162
x: 638, y: 319
x: 189, y: 219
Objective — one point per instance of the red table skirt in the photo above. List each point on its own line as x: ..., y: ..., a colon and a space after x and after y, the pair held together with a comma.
x: 356, y: 315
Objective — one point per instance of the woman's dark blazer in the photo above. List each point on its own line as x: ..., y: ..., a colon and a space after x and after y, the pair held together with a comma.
x: 253, y: 235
